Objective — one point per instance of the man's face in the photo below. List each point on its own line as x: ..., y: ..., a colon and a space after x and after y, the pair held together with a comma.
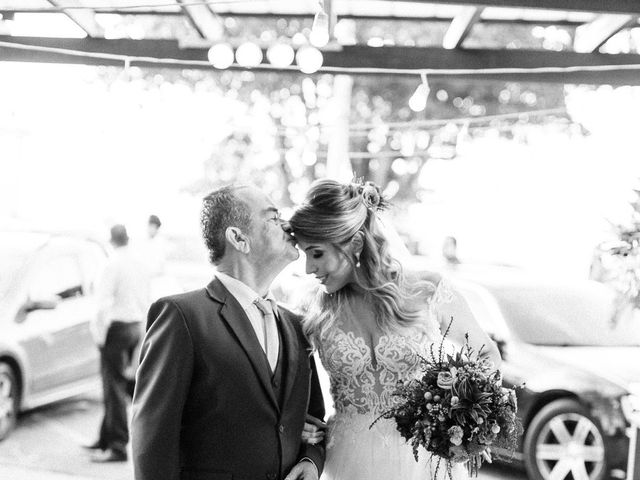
x: 269, y: 242
x: 152, y: 230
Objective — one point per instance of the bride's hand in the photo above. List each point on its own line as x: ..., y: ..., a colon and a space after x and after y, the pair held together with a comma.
x: 314, y: 430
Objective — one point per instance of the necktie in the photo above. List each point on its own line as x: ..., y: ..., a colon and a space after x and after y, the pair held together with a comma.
x: 269, y: 330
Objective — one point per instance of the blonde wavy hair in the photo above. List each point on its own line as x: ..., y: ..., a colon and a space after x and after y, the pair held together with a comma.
x: 334, y: 213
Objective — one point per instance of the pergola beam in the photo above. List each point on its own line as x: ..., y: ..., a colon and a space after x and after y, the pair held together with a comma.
x: 202, y: 19
x: 357, y: 56
x: 591, y: 36
x: 460, y: 27
x: 594, y: 6
x: 85, y: 19
x: 350, y: 16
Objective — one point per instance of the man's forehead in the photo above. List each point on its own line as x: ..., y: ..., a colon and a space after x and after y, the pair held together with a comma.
x: 256, y: 198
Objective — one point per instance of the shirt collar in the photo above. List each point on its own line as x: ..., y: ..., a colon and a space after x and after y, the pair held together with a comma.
x: 244, y: 294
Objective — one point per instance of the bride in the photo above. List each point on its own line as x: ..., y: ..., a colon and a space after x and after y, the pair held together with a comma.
x: 369, y: 322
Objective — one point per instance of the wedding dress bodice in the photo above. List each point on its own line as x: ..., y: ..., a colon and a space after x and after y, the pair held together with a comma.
x: 363, y: 376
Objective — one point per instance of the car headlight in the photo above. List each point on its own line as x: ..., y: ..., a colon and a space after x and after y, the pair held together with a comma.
x: 631, y: 407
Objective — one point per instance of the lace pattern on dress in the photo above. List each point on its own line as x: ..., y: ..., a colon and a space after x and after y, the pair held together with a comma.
x: 443, y: 293
x: 363, y: 381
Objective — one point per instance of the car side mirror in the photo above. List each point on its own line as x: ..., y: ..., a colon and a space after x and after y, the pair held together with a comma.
x: 41, y: 305
x: 33, y: 305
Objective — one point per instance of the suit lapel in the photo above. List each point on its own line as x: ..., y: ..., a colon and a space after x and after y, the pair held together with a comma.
x: 235, y: 317
x: 292, y: 349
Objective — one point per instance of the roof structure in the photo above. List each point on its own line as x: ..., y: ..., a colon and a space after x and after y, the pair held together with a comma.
x: 571, y: 41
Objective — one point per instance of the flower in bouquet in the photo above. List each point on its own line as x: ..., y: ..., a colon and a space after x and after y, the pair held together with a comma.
x: 457, y: 409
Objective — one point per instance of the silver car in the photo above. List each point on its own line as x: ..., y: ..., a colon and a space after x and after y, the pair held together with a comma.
x: 46, y: 305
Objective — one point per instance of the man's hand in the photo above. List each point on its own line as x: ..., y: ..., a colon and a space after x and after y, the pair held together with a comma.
x: 314, y: 430
x: 304, y: 470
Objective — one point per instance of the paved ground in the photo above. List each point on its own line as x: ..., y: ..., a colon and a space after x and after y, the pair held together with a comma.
x: 46, y: 446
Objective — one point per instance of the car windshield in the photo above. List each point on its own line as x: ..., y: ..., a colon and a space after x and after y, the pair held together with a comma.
x: 579, y: 315
x: 10, y: 264
x: 15, y: 248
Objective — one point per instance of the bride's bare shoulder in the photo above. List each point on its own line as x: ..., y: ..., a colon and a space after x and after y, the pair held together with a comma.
x: 431, y: 276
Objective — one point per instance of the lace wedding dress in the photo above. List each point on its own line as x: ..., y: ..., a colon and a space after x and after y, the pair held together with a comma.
x: 362, y: 380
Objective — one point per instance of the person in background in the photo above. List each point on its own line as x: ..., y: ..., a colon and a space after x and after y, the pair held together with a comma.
x: 155, y: 251
x: 450, y: 251
x: 123, y: 296
x: 156, y: 247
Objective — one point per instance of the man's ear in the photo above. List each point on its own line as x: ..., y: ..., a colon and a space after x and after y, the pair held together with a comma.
x: 237, y: 239
x: 357, y: 244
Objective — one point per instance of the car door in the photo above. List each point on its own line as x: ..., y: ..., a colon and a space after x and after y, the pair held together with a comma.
x: 57, y: 340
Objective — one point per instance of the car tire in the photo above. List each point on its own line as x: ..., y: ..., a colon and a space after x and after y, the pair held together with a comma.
x: 8, y: 400
x: 564, y: 441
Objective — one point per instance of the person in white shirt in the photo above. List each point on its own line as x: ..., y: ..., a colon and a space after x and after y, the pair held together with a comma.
x: 156, y: 247
x: 124, y: 298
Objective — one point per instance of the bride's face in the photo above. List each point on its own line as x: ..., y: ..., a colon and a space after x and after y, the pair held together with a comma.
x: 328, y: 264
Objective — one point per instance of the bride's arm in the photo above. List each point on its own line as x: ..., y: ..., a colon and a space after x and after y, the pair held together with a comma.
x: 464, y: 322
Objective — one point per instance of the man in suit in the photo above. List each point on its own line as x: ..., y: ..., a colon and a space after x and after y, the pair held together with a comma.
x: 226, y: 377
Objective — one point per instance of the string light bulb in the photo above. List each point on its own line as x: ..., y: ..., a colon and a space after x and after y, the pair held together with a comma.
x: 280, y: 55
x: 319, y: 35
x: 418, y: 101
x: 309, y: 59
x: 221, y: 56
x: 249, y: 55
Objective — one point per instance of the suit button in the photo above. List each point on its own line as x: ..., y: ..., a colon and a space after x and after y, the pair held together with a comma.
x: 275, y: 383
x: 271, y: 476
x: 281, y: 428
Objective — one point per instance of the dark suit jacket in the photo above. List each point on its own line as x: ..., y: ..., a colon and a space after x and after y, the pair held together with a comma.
x: 204, y: 407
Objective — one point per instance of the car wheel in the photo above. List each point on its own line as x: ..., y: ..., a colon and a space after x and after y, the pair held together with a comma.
x: 8, y: 400
x: 563, y: 442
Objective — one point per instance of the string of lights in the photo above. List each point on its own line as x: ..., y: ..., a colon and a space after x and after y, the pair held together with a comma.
x: 309, y: 60
x: 463, y: 120
x: 325, y: 69
x: 363, y: 129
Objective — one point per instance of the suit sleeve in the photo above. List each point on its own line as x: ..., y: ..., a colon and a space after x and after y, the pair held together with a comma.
x: 315, y: 453
x: 162, y: 382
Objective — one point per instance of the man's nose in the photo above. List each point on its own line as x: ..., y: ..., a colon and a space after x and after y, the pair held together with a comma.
x: 286, y: 226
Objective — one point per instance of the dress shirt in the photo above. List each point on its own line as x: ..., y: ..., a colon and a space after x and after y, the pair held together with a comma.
x: 246, y: 297
x: 123, y: 289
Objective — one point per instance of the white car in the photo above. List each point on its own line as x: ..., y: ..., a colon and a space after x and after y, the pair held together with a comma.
x: 46, y: 304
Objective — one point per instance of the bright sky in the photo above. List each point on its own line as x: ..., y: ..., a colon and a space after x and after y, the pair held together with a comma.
x: 74, y: 153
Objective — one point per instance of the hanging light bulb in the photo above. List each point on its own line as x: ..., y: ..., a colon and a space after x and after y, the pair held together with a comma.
x: 221, y: 55
x: 249, y: 55
x: 280, y: 55
x: 126, y: 70
x: 418, y: 101
x: 319, y: 36
x: 309, y: 59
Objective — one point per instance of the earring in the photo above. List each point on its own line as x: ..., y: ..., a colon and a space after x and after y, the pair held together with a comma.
x: 358, y: 262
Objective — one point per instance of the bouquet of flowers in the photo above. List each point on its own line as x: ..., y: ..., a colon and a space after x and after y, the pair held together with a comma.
x: 457, y: 409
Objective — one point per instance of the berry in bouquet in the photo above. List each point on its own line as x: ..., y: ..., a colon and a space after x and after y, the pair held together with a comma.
x: 456, y: 409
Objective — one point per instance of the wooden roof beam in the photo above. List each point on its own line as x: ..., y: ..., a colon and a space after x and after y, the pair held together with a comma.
x: 85, y: 19
x: 460, y: 27
x: 596, y: 6
x: 591, y: 36
x: 203, y: 20
x: 361, y: 56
